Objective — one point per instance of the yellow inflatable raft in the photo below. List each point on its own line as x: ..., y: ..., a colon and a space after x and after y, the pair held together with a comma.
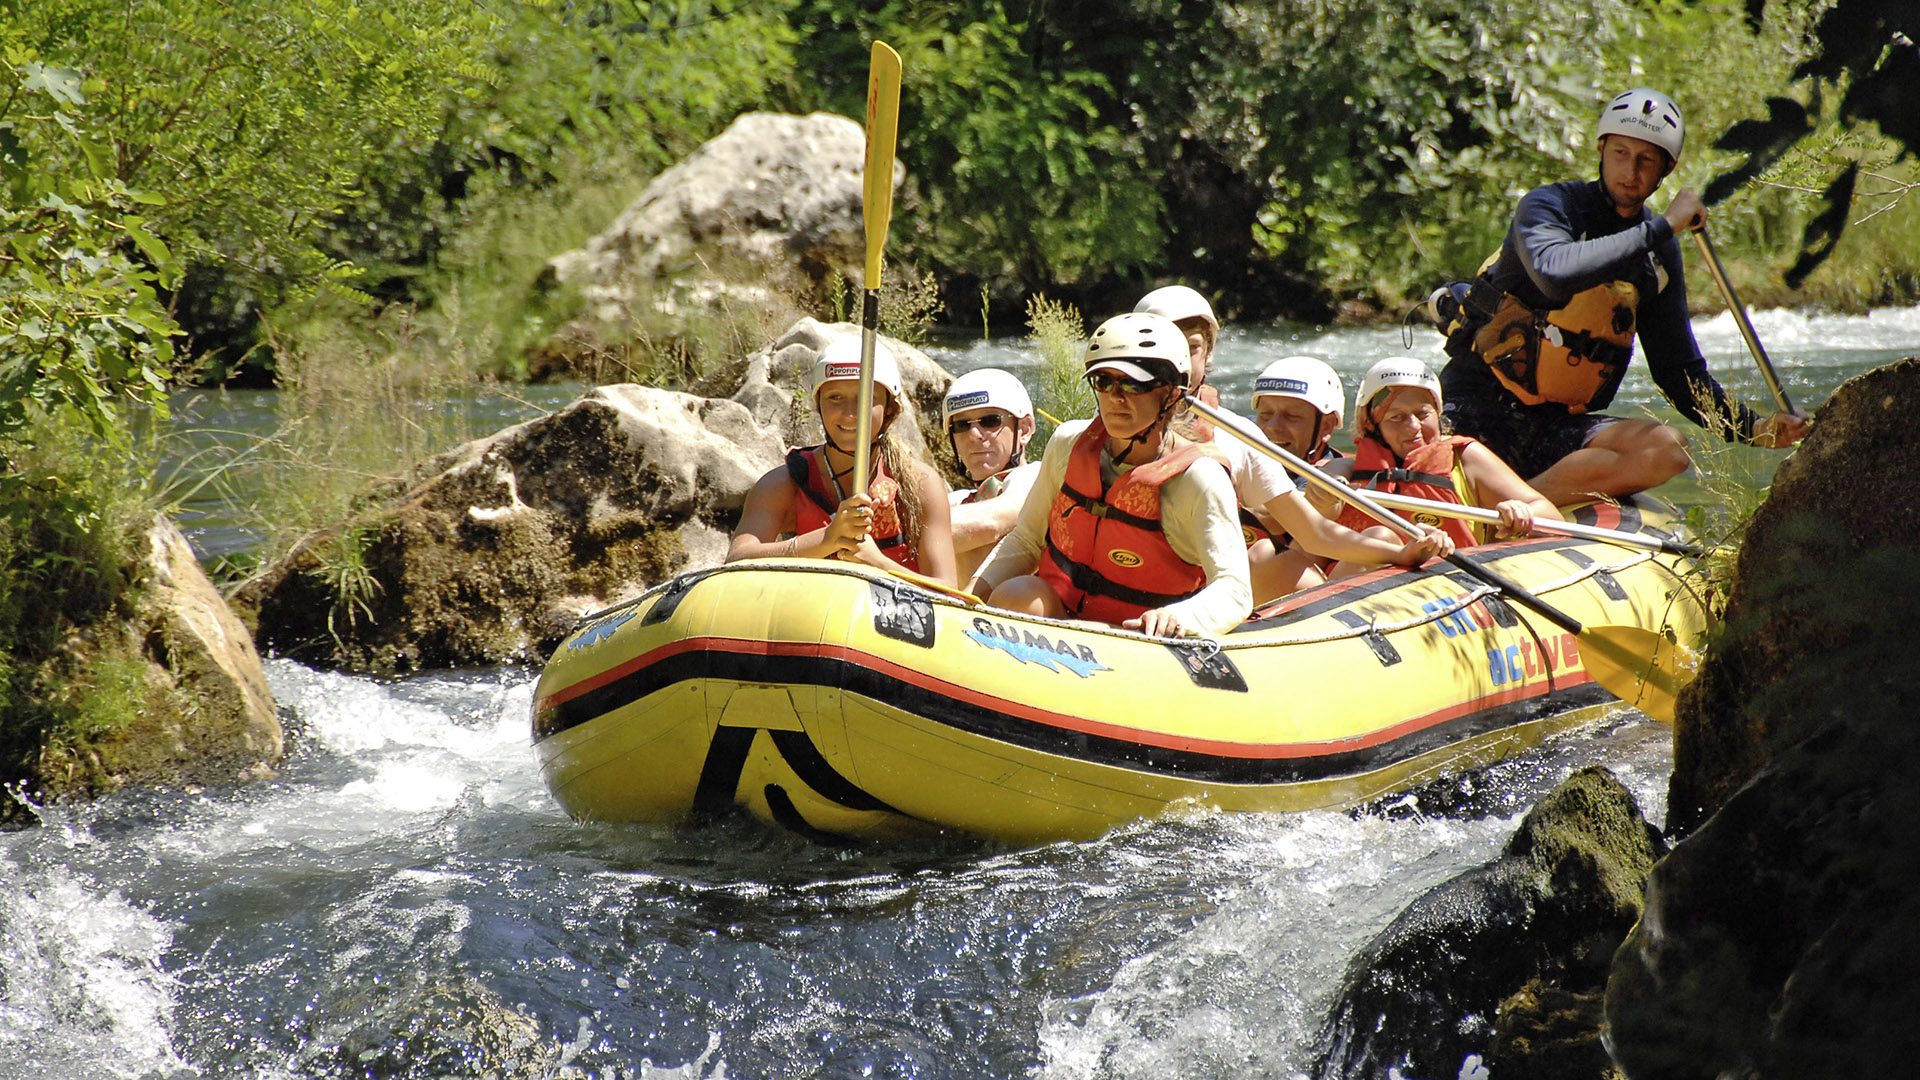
x: 832, y: 698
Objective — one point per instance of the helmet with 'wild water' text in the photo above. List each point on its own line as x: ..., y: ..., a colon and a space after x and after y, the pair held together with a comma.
x: 1645, y: 114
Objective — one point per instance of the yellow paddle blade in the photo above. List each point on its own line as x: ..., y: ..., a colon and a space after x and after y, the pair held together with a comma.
x: 1638, y: 666
x: 883, y: 125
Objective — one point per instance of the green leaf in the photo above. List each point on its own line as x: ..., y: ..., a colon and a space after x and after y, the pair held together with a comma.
x: 149, y: 244
x: 62, y: 84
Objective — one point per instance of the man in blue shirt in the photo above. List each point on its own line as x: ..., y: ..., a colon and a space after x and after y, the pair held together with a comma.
x: 1540, y: 341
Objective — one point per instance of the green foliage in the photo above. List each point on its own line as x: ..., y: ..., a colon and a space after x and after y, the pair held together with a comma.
x: 1016, y: 177
x: 1392, y: 137
x: 1061, y: 391
x: 79, y: 319
x: 560, y: 94
x: 73, y: 511
x: 1030, y: 187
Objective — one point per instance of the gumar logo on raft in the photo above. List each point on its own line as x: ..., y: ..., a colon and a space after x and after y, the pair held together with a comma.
x: 1123, y: 557
x: 1031, y: 648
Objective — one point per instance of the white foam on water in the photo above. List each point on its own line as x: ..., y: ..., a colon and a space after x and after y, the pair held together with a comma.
x: 82, y: 993
x: 417, y: 751
x: 1244, y: 991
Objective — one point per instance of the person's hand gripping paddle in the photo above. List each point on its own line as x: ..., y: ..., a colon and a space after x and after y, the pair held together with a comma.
x: 1634, y: 664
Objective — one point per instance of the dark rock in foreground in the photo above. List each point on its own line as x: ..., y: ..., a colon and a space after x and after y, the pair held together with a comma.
x: 1782, y: 936
x: 1425, y: 994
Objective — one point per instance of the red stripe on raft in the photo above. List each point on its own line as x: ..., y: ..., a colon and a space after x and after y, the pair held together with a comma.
x: 1213, y: 747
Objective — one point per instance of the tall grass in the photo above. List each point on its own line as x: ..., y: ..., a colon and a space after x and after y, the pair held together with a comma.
x: 361, y: 399
x: 1060, y: 336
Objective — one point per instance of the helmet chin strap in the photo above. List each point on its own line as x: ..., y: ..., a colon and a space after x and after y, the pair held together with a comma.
x: 1166, y: 407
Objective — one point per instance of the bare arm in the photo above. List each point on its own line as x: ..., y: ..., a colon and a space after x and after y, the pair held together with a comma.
x: 936, y: 528
x: 981, y: 524
x: 1327, y: 538
x: 1497, y: 487
x: 768, y: 513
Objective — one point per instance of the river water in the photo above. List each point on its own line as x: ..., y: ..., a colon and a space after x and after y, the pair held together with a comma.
x: 406, y: 900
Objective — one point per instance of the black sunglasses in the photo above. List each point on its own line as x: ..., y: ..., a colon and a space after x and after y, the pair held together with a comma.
x: 989, y: 423
x: 1104, y: 383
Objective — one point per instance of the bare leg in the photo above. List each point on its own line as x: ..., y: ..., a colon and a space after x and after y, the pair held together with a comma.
x: 1278, y: 573
x: 1344, y: 568
x: 1028, y: 595
x: 1623, y: 457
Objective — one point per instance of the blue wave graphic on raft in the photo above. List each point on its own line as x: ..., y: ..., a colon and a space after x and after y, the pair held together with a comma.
x: 1030, y: 652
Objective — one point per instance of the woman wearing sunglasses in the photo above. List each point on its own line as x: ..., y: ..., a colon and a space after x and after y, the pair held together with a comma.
x: 804, y: 509
x: 989, y: 421
x: 1128, y: 523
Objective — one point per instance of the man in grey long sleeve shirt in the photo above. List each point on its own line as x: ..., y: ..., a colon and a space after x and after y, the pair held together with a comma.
x: 1541, y: 340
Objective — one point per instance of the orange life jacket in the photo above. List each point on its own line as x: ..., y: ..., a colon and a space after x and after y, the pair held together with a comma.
x: 1569, y: 354
x: 807, y: 468
x: 1433, y: 471
x: 1107, y: 558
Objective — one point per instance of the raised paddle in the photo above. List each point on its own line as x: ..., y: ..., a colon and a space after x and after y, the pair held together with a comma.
x: 1670, y: 546
x: 1740, y: 317
x: 883, y: 125
x: 1634, y: 664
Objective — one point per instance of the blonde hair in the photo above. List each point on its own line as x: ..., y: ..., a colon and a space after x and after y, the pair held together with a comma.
x: 900, y: 465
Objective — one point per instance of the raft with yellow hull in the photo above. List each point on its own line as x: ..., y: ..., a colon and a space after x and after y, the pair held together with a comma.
x: 830, y: 697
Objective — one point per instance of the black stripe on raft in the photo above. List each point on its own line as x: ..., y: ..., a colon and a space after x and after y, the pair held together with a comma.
x: 990, y: 723
x: 788, y: 816
x: 720, y: 773
x: 814, y: 770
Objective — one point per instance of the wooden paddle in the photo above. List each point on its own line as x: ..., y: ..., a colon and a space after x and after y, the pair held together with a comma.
x: 883, y: 125
x: 1635, y: 664
x: 1665, y: 544
x: 1740, y: 316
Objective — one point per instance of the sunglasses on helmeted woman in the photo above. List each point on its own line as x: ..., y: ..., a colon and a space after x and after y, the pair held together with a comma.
x: 990, y: 423
x: 1104, y: 383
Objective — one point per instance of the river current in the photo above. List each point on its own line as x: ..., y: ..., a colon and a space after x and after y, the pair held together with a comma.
x: 406, y: 900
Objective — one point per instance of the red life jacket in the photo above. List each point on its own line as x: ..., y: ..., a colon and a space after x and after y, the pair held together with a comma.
x: 1107, y: 558
x: 1433, y: 471
x: 807, y: 468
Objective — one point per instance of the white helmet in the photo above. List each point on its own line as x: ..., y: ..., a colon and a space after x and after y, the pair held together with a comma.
x: 1645, y: 114
x: 841, y: 360
x: 1391, y: 372
x: 983, y: 388
x: 1305, y: 377
x: 1124, y: 340
x: 1176, y: 302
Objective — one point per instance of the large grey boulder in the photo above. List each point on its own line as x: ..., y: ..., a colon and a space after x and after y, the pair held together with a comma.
x: 762, y: 212
x: 492, y: 551
x: 1781, y: 935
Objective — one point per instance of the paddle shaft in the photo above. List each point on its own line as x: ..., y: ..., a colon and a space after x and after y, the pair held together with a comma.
x: 883, y: 124
x: 1740, y: 317
x: 1395, y: 501
x: 1381, y: 514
